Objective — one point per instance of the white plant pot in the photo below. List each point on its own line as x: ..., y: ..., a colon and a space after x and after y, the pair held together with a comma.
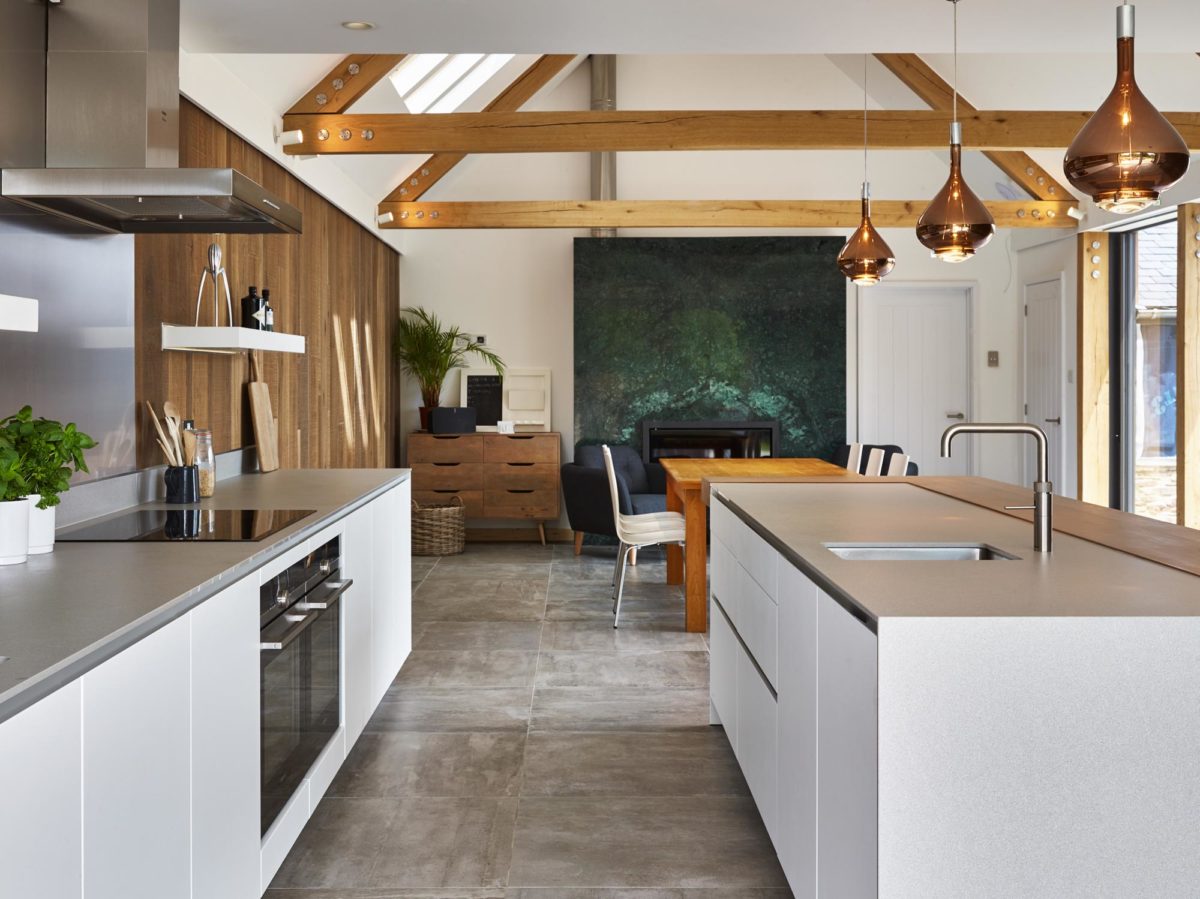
x: 14, y: 531
x: 41, y: 527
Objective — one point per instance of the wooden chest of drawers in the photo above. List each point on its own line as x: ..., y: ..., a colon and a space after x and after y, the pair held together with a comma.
x: 496, y: 475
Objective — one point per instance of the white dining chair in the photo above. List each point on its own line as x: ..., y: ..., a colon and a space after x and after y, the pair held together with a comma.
x: 854, y: 459
x: 897, y: 466
x: 875, y: 463
x: 636, y: 531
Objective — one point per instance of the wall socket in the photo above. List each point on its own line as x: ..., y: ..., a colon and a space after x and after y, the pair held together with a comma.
x: 481, y: 340
x: 993, y: 358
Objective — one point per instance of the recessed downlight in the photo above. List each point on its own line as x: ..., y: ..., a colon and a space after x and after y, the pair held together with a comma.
x: 358, y: 26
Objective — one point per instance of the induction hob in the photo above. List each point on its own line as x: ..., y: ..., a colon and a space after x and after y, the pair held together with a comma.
x: 188, y: 524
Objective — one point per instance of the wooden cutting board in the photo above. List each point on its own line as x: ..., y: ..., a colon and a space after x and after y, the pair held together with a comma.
x: 265, y: 436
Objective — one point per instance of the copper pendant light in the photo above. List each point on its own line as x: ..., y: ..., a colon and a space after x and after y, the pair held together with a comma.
x: 1127, y: 153
x: 866, y: 257
x: 956, y: 223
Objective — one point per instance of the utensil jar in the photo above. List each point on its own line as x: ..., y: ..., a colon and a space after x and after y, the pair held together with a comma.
x: 182, y: 484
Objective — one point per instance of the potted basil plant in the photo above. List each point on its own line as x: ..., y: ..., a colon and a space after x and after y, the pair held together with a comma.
x: 49, y: 453
x: 14, y: 507
x: 428, y: 350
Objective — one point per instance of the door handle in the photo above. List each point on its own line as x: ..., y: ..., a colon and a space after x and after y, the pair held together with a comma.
x: 1054, y: 421
x: 957, y: 415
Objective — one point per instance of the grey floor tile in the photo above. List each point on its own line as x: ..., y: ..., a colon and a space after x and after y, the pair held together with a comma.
x: 432, y: 764
x: 520, y: 635
x: 496, y: 598
x: 618, y: 709
x: 650, y: 842
x: 618, y: 893
x: 665, y: 613
x: 339, y: 845
x: 673, y: 763
x: 467, y: 668
x: 410, y: 708
x: 447, y: 843
x: 634, y: 635
x: 386, y: 893
x: 662, y: 670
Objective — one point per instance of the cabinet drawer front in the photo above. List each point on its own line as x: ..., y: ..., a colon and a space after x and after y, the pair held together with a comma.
x: 448, y: 475
x: 520, y: 476
x: 758, y: 558
x: 472, y: 499
x: 722, y: 670
x: 724, y: 576
x: 521, y: 502
x: 757, y: 742
x: 445, y: 448
x: 758, y: 623
x: 521, y: 448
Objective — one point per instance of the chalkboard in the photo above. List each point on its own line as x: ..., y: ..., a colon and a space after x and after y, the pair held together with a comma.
x: 485, y: 394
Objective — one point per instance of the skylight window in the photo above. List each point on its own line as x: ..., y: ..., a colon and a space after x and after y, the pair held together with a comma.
x: 437, y: 82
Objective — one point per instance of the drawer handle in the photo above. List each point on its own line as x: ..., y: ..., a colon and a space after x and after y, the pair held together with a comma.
x: 445, y: 491
x: 519, y: 436
x: 520, y: 464
x: 445, y: 436
x: 520, y: 491
x: 447, y: 464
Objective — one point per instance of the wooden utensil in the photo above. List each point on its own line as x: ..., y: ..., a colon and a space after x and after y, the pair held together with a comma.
x: 176, y: 441
x: 265, y: 437
x: 172, y: 459
x: 189, y: 447
x: 175, y: 426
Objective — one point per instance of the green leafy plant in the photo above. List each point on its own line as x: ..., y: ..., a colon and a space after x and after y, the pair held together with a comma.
x: 38, y: 455
x: 428, y: 350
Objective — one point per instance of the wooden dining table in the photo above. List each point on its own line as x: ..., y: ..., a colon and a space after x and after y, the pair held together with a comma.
x: 685, y: 483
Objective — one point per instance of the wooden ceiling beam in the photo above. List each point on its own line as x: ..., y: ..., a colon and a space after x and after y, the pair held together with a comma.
x: 927, y: 84
x: 347, y: 82
x: 512, y: 98
x: 633, y: 130
x: 699, y: 214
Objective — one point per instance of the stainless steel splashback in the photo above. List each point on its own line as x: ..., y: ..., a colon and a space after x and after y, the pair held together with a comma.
x: 80, y: 365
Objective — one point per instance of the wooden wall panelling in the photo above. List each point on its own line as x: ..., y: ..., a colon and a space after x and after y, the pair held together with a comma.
x: 1093, y: 364
x: 1187, y: 368
x: 335, y: 270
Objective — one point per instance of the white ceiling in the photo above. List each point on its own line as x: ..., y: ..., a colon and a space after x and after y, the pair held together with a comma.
x: 678, y: 26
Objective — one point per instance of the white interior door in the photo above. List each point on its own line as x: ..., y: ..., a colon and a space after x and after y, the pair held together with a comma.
x: 914, y: 370
x: 1044, y: 372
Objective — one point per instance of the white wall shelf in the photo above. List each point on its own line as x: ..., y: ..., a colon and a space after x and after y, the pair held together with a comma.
x: 228, y: 340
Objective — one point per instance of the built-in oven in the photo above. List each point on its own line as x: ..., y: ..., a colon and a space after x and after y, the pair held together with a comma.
x: 300, y: 636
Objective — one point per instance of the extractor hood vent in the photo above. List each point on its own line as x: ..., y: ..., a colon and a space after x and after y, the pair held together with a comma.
x: 92, y: 127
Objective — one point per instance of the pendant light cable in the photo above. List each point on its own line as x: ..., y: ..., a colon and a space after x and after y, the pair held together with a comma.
x: 864, y: 121
x: 954, y: 102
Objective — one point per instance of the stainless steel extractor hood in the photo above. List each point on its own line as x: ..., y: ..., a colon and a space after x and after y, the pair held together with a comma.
x: 92, y: 133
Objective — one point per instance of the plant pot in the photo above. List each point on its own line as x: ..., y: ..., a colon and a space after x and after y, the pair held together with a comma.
x: 14, y: 531
x: 424, y: 410
x: 41, y: 527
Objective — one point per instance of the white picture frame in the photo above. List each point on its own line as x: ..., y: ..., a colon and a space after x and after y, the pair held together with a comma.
x: 525, y: 397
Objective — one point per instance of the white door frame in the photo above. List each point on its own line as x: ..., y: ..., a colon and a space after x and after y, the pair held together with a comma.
x: 1063, y: 397
x: 855, y: 296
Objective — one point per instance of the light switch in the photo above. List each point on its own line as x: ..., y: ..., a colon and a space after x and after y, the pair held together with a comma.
x: 993, y: 358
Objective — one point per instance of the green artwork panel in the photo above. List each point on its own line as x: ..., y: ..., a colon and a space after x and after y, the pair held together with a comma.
x: 730, y: 328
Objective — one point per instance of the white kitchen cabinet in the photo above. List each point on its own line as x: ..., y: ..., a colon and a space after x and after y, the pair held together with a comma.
x: 391, y: 619
x: 357, y: 668
x: 225, y: 744
x: 758, y: 737
x: 41, y: 838
x: 758, y: 624
x: 847, y: 773
x: 796, y: 831
x: 722, y: 670
x: 137, y: 770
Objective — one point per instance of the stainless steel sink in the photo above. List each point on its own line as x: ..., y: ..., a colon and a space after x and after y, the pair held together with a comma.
x: 918, y: 552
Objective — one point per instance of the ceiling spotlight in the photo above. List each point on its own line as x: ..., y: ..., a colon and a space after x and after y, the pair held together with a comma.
x: 358, y: 26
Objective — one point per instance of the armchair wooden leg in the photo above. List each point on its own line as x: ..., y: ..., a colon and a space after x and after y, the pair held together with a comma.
x: 578, y: 542
x: 633, y: 556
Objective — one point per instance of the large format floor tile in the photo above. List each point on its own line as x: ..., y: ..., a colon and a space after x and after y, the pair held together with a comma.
x: 646, y: 842
x: 657, y: 763
x: 528, y: 750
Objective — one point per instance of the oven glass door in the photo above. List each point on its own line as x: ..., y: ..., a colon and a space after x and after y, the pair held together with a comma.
x: 300, y: 709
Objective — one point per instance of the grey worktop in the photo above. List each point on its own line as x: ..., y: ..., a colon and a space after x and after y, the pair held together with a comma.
x: 1077, y: 579
x: 63, y: 613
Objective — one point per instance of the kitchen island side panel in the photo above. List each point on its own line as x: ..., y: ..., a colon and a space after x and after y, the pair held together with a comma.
x: 1039, y: 757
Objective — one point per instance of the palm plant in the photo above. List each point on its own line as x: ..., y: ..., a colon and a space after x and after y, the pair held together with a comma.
x: 428, y: 350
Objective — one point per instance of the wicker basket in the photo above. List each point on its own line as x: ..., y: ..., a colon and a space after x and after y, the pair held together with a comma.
x: 438, y: 530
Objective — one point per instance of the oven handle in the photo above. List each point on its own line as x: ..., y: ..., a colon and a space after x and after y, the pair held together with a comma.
x: 336, y: 589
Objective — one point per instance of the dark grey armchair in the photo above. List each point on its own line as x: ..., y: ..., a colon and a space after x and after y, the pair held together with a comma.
x: 641, y: 488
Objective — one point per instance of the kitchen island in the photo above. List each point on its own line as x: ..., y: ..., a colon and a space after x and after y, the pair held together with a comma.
x: 1021, y: 726
x: 133, y: 702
